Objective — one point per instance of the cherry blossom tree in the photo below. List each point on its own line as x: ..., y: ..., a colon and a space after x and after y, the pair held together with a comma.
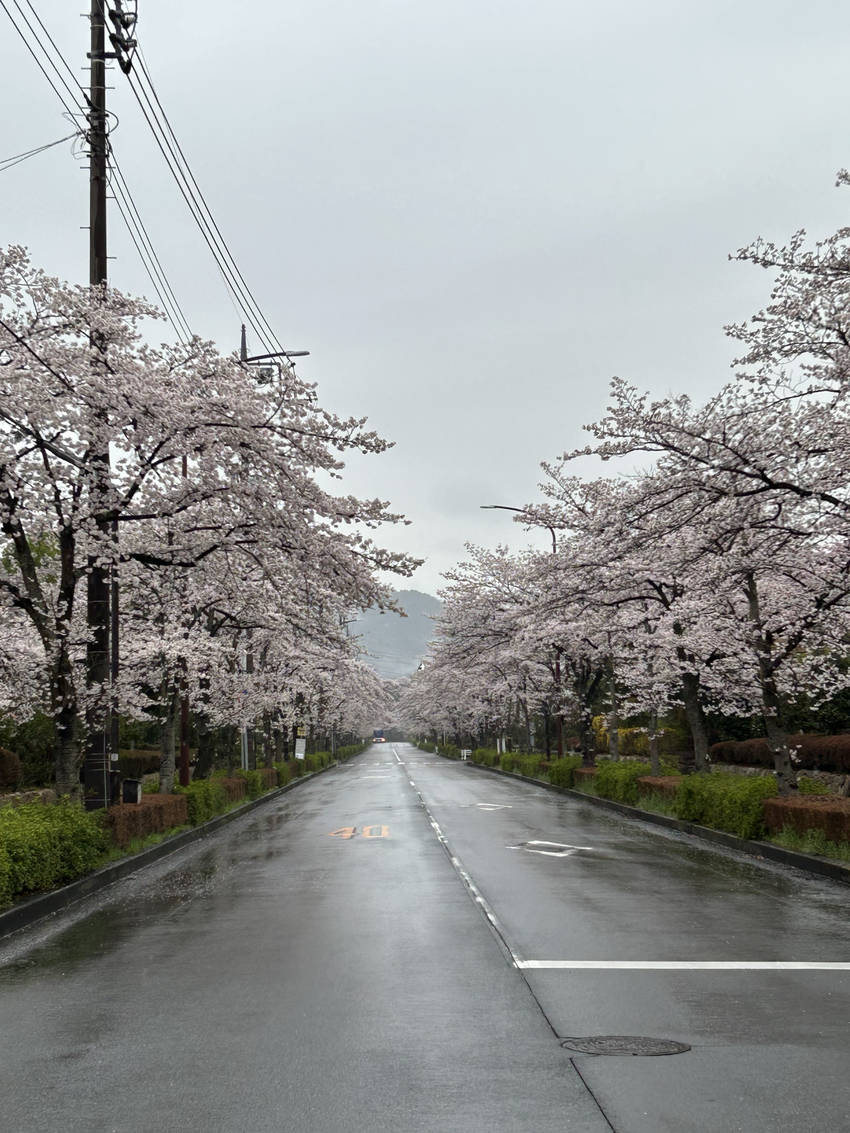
x: 203, y: 461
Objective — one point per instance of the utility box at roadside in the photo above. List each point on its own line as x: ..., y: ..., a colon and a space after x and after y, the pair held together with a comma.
x: 131, y: 791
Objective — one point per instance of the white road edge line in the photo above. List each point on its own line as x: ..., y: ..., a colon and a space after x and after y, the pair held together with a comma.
x: 689, y: 965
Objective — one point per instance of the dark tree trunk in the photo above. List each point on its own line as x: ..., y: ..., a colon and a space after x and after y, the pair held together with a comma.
x: 697, y: 758
x: 654, y: 760
x: 67, y: 728
x: 167, y: 737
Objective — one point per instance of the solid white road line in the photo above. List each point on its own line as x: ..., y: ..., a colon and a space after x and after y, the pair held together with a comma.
x: 689, y: 965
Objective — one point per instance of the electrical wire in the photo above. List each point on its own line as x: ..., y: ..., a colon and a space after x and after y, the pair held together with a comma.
x: 143, y: 69
x: 205, y: 228
x: 75, y: 101
x: 147, y: 253
x: 76, y: 84
x: 8, y: 162
x: 78, y: 110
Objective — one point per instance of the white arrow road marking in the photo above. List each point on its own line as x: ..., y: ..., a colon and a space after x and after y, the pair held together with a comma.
x: 549, y: 849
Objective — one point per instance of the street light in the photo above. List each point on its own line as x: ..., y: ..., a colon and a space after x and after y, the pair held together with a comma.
x: 551, y: 529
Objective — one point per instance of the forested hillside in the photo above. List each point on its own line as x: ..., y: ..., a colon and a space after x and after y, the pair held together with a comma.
x: 396, y: 645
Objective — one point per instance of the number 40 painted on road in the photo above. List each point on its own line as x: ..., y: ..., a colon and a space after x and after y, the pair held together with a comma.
x: 364, y: 832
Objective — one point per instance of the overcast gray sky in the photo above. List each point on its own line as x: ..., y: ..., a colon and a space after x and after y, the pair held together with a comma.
x: 472, y: 214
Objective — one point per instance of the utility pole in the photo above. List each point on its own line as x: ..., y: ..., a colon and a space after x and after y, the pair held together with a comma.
x: 100, y: 611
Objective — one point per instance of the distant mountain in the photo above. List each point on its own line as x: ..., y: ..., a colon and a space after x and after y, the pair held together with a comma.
x: 396, y: 645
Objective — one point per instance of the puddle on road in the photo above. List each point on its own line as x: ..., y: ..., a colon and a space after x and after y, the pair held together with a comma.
x: 549, y: 849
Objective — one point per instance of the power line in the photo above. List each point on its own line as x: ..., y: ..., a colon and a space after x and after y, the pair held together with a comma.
x: 147, y: 253
x: 74, y: 80
x: 8, y: 162
x: 145, y: 72
x: 75, y: 100
x: 78, y: 109
x: 178, y: 165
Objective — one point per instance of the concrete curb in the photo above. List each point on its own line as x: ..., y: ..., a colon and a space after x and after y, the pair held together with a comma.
x: 29, y: 910
x: 823, y: 867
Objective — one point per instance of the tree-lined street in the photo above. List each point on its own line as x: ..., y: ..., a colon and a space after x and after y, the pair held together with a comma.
x: 321, y: 965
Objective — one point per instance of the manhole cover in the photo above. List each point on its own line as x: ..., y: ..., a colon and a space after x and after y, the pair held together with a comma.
x: 624, y: 1044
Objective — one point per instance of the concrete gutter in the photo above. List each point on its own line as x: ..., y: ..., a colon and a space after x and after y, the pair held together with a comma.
x: 823, y: 867
x: 29, y: 910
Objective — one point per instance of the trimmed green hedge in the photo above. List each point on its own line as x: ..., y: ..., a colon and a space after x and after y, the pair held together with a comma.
x: 618, y: 780
x: 205, y: 798
x: 562, y: 771
x: 726, y: 802
x: 521, y: 763
x: 41, y: 846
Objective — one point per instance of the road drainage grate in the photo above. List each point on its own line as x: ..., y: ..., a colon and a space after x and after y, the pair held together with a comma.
x: 624, y: 1044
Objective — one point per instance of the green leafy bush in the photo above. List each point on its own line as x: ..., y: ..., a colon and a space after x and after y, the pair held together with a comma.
x: 810, y: 842
x: 33, y: 743
x: 284, y: 774
x: 254, y: 785
x: 726, y: 802
x: 529, y: 765
x: 45, y: 845
x: 562, y: 771
x: 318, y: 760
x: 808, y: 786
x: 349, y: 750
x: 205, y: 798
x: 486, y: 756
x: 6, y: 891
x: 617, y: 779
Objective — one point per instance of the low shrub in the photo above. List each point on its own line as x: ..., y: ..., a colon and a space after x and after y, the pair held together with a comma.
x: 154, y: 815
x: 318, y: 760
x: 619, y: 780
x: 486, y: 756
x: 530, y: 765
x: 45, y: 845
x: 255, y: 780
x: 349, y: 750
x: 284, y: 775
x: 562, y: 771
x: 6, y: 890
x: 206, y: 798
x: 584, y: 778
x: 828, y: 814
x: 735, y: 803
x: 808, y: 786
x: 234, y: 789
x: 665, y: 785
x: 812, y: 842
x: 822, y: 753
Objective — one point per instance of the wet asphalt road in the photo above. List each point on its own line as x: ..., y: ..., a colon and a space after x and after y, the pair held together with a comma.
x: 320, y: 966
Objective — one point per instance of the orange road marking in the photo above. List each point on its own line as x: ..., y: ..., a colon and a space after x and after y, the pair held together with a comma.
x: 382, y: 831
